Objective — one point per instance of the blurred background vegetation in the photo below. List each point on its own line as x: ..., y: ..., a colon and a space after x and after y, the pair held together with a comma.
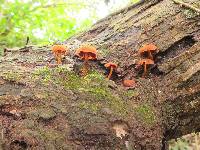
x: 47, y: 21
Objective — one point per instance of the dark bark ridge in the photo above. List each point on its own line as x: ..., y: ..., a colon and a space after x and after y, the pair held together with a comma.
x: 53, y: 108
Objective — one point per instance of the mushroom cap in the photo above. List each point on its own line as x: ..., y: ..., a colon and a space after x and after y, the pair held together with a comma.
x: 129, y: 83
x: 110, y: 64
x: 87, y: 49
x: 59, y: 49
x: 148, y: 47
x: 146, y: 61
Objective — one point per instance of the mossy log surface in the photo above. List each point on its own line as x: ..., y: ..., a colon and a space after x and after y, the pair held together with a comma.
x: 43, y: 106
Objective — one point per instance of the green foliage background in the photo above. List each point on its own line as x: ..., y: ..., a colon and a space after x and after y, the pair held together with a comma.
x: 45, y: 21
x: 20, y: 19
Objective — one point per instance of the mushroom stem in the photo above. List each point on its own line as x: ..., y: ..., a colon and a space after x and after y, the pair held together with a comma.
x: 150, y: 55
x: 145, y: 70
x: 110, y: 74
x: 85, y: 65
x: 58, y: 59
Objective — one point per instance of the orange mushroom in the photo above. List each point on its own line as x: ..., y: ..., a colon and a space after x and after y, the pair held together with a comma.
x: 129, y: 83
x: 149, y: 49
x: 58, y: 51
x: 145, y: 62
x: 86, y: 53
x: 112, y: 66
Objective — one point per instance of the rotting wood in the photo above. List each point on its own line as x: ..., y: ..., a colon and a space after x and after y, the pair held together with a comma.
x: 59, y: 109
x: 187, y: 5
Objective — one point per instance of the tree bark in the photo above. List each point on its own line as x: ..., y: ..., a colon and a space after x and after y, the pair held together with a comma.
x: 47, y: 107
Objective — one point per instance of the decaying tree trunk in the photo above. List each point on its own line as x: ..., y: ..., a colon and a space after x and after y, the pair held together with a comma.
x: 45, y: 107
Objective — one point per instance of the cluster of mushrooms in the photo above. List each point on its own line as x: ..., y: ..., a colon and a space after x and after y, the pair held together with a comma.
x: 146, y: 53
x: 87, y: 52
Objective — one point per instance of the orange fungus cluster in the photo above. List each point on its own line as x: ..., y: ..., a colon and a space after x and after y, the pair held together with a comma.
x: 59, y: 51
x: 88, y: 52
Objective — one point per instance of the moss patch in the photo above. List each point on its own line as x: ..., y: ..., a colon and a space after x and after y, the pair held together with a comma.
x: 190, y: 13
x: 130, y: 93
x: 93, y: 89
x: 44, y: 74
x: 12, y: 76
x: 146, y: 114
x: 91, y: 106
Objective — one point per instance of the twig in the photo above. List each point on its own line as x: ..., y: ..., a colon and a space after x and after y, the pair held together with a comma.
x: 187, y: 5
x: 27, y: 40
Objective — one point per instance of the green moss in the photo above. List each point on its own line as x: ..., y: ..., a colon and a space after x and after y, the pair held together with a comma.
x: 130, y: 93
x: 44, y: 73
x: 146, y: 114
x: 93, y: 83
x: 94, y: 75
x: 190, y: 13
x: 98, y: 92
x: 94, y: 107
x: 94, y: 88
x: 119, y: 105
x: 12, y: 76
